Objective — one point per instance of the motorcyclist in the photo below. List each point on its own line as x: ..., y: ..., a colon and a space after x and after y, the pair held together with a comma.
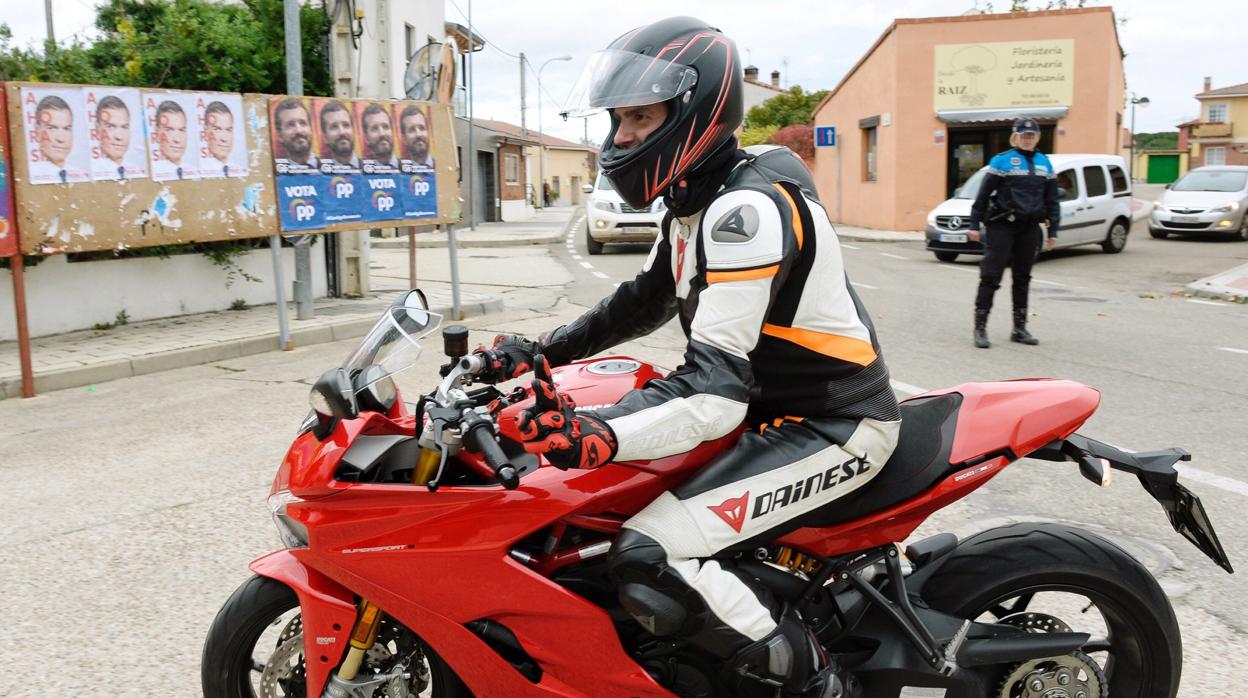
x: 1016, y: 199
x: 777, y: 339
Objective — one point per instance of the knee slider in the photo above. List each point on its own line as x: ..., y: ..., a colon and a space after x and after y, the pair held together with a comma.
x: 638, y: 565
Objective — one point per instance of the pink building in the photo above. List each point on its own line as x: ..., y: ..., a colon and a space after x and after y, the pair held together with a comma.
x: 933, y: 100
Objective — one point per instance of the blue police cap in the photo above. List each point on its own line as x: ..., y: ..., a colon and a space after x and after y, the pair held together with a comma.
x: 1026, y: 125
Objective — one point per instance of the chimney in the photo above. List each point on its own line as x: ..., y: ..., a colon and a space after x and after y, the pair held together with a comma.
x: 751, y: 73
x: 775, y: 78
x: 1208, y: 83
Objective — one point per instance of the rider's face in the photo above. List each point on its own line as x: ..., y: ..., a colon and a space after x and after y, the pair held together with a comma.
x: 637, y: 123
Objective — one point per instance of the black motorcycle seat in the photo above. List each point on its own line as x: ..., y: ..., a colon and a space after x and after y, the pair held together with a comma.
x: 920, y: 460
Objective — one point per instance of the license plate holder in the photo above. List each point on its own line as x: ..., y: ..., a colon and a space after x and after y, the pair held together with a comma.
x: 1185, y: 219
x: 954, y: 237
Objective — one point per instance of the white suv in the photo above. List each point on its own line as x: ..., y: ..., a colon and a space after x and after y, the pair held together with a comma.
x: 609, y: 219
x: 1096, y: 208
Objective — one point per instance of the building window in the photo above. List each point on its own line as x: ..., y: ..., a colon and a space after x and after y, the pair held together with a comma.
x: 511, y: 168
x: 869, y: 154
x: 1215, y: 156
x: 554, y: 187
x: 1217, y: 113
x: 409, y: 40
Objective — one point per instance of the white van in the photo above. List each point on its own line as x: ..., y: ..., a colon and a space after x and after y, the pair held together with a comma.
x: 608, y: 218
x: 1096, y: 208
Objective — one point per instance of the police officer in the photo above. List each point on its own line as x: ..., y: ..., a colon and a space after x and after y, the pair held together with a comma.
x: 1018, y: 203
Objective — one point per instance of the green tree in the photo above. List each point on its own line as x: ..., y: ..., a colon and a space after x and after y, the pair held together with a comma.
x: 1162, y: 140
x: 756, y: 135
x: 182, y: 44
x: 792, y: 107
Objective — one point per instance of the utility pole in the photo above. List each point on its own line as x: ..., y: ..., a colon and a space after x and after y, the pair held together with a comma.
x: 47, y: 13
x: 523, y: 128
x: 294, y: 87
x: 471, y: 155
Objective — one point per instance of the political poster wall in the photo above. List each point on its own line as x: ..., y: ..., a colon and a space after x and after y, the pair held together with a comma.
x: 8, y: 233
x: 342, y: 164
x: 118, y: 135
x: 223, y: 140
x: 173, y: 130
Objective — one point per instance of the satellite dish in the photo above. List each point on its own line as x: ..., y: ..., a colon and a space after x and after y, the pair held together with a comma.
x: 420, y: 82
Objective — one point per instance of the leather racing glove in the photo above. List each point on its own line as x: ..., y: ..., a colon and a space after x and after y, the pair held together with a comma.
x: 554, y: 428
x: 511, y: 356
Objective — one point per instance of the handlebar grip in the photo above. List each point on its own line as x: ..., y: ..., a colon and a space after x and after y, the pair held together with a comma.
x: 479, y: 438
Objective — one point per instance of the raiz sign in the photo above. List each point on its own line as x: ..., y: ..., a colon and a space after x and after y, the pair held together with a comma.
x: 825, y: 136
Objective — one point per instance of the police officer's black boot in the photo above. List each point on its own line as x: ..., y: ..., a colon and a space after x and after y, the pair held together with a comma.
x: 1020, y: 333
x: 981, y: 329
x: 791, y: 659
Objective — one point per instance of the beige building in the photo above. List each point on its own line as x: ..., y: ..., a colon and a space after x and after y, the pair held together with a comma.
x: 756, y: 92
x: 1220, y: 137
x: 569, y: 166
x: 933, y: 100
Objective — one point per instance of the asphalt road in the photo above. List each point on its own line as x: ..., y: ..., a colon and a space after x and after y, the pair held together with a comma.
x: 132, y: 509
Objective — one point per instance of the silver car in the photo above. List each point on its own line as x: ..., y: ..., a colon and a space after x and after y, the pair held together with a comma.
x: 608, y: 218
x: 1212, y: 199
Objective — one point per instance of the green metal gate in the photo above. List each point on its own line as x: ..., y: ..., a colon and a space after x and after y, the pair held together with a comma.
x: 1163, y: 169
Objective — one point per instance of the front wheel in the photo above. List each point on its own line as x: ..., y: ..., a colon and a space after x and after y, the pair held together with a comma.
x: 1047, y: 578
x: 1159, y: 234
x: 255, y: 649
x: 946, y: 256
x: 1116, y: 239
x: 591, y: 245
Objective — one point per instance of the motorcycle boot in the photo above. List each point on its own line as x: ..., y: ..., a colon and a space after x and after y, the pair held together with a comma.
x: 981, y: 329
x: 791, y: 659
x: 1020, y: 333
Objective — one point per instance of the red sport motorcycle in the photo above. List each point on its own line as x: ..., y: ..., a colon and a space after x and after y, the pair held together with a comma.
x: 427, y: 554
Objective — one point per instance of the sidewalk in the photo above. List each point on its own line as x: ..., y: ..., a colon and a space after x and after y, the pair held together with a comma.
x: 1230, y: 285
x: 87, y: 357
x: 545, y: 228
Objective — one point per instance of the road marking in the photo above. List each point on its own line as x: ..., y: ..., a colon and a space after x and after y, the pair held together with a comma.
x: 1233, y: 349
x: 587, y: 265
x: 850, y: 247
x: 600, y: 275
x: 1052, y: 283
x: 1213, y: 303
x: 577, y: 256
x: 969, y: 271
x: 873, y: 288
x: 894, y: 256
x: 1229, y: 484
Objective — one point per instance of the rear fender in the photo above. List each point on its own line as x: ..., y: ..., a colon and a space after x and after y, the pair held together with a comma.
x: 327, y: 608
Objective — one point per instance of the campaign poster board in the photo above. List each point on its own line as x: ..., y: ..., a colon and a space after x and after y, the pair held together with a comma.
x: 368, y: 168
x: 116, y: 214
x: 223, y: 146
x: 8, y: 233
x: 172, y: 149
x: 118, y: 133
x: 55, y: 123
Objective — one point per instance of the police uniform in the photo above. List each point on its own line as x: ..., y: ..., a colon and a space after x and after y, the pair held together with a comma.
x: 777, y: 338
x: 1018, y: 193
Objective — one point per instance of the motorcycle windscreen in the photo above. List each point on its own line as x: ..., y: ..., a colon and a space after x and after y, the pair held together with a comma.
x: 393, y: 344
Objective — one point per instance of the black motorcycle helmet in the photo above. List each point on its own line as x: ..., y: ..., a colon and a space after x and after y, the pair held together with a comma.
x: 682, y: 61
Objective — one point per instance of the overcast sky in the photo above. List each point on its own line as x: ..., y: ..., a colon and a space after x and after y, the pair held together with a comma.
x: 1170, y: 46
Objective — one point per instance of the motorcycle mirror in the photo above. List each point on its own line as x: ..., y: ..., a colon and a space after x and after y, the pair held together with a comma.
x: 416, y: 307
x: 334, y: 396
x: 455, y: 340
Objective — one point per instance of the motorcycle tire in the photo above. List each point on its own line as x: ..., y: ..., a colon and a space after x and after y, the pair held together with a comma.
x: 227, y: 668
x: 989, y: 568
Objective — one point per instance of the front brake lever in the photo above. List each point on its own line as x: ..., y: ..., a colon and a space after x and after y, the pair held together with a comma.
x: 438, y: 425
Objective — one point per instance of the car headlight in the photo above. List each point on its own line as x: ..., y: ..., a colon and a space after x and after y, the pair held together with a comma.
x: 660, y: 206
x: 931, y: 218
x: 293, y: 533
x: 604, y: 205
x: 1229, y: 208
x: 1158, y: 205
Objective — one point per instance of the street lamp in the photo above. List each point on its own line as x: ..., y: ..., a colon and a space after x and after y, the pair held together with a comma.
x: 1143, y: 102
x: 541, y: 138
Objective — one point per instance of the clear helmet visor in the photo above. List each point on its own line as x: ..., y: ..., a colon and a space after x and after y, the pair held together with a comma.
x: 614, y: 79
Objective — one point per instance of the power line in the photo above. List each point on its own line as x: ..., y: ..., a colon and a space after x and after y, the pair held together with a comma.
x: 489, y: 43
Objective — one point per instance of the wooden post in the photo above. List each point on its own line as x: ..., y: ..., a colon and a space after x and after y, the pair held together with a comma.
x: 10, y: 248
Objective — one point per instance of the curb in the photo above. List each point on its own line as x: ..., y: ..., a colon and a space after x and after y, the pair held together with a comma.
x: 1217, y: 286
x: 461, y: 243
x: 880, y: 237
x: 11, y: 387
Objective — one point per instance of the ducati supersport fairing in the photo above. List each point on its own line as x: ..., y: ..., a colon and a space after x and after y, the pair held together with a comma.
x: 427, y: 554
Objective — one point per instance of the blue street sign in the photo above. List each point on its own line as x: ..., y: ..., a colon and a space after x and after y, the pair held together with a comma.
x: 825, y: 136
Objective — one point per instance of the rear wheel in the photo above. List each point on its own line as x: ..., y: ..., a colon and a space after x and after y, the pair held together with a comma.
x: 1048, y: 578
x: 1243, y: 229
x: 592, y: 245
x: 255, y: 650
x: 1116, y: 240
x: 946, y: 256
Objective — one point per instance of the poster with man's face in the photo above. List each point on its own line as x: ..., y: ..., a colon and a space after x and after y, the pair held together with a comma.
x: 173, y: 130
x: 294, y: 144
x: 58, y: 149
x: 118, y: 141
x: 223, y: 150
x: 415, y: 137
x: 335, y: 131
x: 377, y: 135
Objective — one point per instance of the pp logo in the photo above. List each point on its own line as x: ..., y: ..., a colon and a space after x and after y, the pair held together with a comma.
x: 419, y: 186
x: 383, y: 201
x: 342, y: 187
x: 302, y: 210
